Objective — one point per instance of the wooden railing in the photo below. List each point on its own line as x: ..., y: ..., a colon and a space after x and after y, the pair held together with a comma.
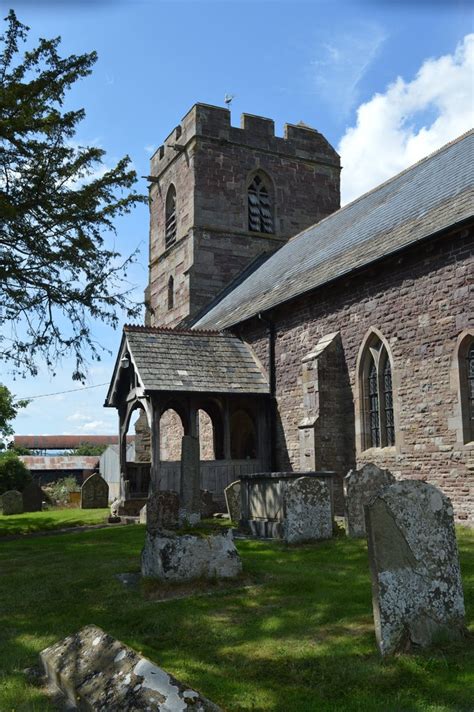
x: 215, y: 475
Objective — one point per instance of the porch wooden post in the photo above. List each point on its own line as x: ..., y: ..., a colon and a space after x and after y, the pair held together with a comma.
x: 155, y: 447
x: 227, y: 451
x: 122, y: 411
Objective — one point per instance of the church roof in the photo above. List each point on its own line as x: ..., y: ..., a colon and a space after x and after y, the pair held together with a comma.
x: 189, y: 361
x: 434, y: 194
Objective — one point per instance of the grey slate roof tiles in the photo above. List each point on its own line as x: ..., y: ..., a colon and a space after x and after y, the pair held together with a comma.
x: 195, y: 361
x: 430, y: 196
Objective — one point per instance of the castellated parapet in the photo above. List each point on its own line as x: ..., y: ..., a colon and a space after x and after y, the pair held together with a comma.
x: 213, y: 122
x: 210, y: 165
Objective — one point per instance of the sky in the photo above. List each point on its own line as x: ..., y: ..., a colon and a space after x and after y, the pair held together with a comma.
x: 387, y: 82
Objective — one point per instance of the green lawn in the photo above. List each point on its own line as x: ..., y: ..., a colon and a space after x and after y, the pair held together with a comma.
x: 299, y: 640
x: 50, y: 519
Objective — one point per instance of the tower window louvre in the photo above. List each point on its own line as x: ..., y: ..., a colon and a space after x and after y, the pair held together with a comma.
x: 170, y: 217
x: 259, y: 207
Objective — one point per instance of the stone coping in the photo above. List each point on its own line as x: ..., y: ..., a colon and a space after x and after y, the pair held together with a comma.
x: 285, y: 475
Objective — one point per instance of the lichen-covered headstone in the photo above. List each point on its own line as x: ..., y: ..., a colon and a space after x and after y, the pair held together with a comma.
x: 33, y: 497
x: 95, y: 671
x: 162, y: 510
x: 360, y: 488
x: 190, y: 488
x: 232, y: 499
x: 94, y: 493
x: 416, y: 580
x: 308, y: 510
x: 12, y: 502
x: 172, y: 557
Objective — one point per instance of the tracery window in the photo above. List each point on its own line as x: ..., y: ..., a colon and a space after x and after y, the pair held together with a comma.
x: 170, y: 217
x: 470, y: 392
x: 377, y: 389
x: 464, y: 364
x: 260, y: 208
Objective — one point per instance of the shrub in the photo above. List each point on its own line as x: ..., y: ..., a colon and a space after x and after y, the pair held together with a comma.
x: 13, y: 473
x: 59, y: 490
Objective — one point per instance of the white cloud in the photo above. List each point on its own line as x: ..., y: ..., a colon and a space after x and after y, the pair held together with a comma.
x: 99, y: 427
x: 408, y: 121
x: 342, y: 63
x: 150, y: 148
x: 77, y: 417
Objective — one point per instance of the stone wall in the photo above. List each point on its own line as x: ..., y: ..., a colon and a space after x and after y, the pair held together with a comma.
x: 420, y: 301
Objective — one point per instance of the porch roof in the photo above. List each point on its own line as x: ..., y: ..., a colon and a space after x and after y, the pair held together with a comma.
x: 189, y: 361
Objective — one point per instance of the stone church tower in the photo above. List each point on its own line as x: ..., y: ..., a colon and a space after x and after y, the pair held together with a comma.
x: 222, y: 197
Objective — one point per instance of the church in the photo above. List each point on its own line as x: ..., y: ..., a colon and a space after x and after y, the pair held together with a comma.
x: 289, y: 334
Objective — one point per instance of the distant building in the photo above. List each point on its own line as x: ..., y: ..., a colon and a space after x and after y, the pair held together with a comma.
x: 49, y: 468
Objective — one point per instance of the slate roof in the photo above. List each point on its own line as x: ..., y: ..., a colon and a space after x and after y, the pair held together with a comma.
x: 191, y: 361
x: 432, y: 195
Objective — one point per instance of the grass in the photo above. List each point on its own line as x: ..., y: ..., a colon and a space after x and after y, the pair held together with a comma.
x: 31, y: 522
x: 300, y: 639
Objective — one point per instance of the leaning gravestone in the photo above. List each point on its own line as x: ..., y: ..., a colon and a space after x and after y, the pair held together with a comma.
x: 32, y: 497
x: 162, y: 510
x: 416, y: 580
x: 308, y: 510
x: 360, y: 488
x: 95, y: 671
x: 232, y: 500
x: 94, y: 493
x: 190, y: 490
x: 12, y: 502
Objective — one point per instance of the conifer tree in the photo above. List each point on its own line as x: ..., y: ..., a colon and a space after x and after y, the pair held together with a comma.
x: 57, y: 208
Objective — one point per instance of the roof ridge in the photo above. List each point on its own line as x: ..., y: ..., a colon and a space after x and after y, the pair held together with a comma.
x: 171, y: 330
x: 429, y: 156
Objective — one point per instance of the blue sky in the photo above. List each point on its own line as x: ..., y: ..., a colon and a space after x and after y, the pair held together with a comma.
x: 385, y: 82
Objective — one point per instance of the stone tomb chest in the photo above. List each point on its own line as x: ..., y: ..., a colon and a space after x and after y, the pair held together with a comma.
x: 295, y: 506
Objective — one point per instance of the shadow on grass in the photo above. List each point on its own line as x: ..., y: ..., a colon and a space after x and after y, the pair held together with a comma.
x: 303, y: 640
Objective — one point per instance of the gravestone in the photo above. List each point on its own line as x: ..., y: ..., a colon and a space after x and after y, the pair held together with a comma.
x: 171, y: 557
x: 190, y: 490
x: 32, y: 497
x: 94, y: 493
x: 208, y: 506
x: 142, y: 515
x: 416, y: 580
x: 162, y: 510
x: 12, y: 502
x: 308, y: 510
x: 360, y: 488
x: 95, y: 671
x: 232, y: 500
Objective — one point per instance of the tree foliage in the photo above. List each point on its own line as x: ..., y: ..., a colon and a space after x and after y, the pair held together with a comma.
x: 9, y: 408
x: 88, y: 449
x: 13, y: 473
x: 57, y: 202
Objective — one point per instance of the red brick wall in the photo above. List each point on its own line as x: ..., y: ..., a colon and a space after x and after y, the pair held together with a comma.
x: 420, y: 301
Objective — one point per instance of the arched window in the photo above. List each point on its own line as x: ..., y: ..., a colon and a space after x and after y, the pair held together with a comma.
x: 470, y: 390
x: 170, y: 293
x: 375, y: 375
x: 260, y: 208
x: 464, y: 364
x: 170, y: 216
